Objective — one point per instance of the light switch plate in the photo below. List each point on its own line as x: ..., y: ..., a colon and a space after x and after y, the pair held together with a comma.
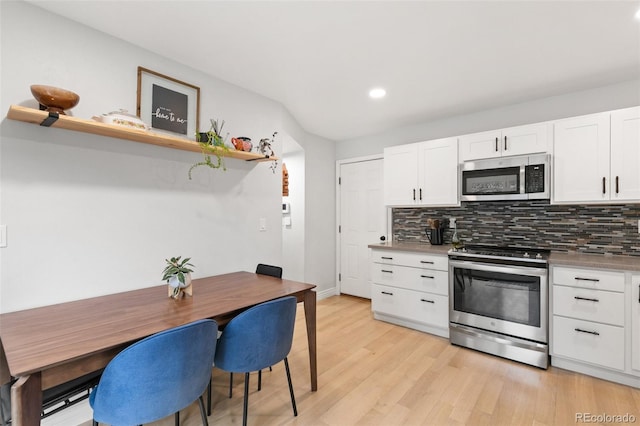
x: 262, y: 226
x: 3, y: 236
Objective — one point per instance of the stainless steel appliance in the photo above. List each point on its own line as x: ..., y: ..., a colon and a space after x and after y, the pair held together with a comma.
x: 498, y: 302
x: 508, y: 178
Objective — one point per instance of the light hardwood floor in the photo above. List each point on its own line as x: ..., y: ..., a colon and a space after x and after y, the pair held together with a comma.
x: 375, y: 373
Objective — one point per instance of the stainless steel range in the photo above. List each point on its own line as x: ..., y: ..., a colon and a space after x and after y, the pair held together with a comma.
x: 498, y: 300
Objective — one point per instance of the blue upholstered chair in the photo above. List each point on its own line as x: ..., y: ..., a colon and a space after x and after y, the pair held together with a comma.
x: 258, y: 338
x: 157, y: 376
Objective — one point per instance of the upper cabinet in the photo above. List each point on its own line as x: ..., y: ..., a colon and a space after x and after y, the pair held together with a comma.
x: 597, y: 157
x: 520, y: 140
x: 422, y: 174
x: 625, y: 154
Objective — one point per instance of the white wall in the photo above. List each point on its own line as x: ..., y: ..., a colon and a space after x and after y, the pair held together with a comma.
x: 88, y: 215
x: 621, y: 95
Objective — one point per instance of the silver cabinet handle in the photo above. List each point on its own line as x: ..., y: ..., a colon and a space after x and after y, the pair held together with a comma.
x: 579, y: 330
x: 585, y: 298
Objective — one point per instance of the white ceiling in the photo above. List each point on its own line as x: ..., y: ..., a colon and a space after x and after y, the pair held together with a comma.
x: 435, y: 58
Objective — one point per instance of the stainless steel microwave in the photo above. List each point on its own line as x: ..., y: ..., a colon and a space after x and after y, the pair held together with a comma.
x: 506, y: 178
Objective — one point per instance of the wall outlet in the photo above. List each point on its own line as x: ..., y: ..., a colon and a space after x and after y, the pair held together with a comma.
x: 452, y: 222
x: 262, y: 225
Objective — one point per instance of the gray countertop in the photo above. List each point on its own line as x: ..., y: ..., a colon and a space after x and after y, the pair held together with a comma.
x: 599, y: 261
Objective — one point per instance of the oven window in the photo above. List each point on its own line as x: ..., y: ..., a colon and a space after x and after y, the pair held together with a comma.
x: 508, y: 297
x: 504, y: 180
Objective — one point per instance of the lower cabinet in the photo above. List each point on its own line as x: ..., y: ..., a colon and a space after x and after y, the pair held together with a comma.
x: 635, y: 324
x: 592, y: 329
x: 411, y: 289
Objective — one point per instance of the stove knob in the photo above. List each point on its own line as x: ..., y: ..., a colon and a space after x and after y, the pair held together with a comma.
x: 526, y: 255
x: 538, y: 256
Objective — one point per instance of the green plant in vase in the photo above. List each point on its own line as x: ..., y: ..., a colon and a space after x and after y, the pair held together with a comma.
x: 177, y: 274
x: 213, y: 144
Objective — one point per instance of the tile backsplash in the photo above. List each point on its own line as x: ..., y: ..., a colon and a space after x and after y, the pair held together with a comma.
x: 584, y: 228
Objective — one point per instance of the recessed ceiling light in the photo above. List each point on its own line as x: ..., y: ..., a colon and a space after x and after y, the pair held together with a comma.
x: 377, y: 93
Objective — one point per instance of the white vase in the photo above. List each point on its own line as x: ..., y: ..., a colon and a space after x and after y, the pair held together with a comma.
x: 174, y: 282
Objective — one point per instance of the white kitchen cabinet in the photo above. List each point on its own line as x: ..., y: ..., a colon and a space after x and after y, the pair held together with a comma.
x: 625, y: 154
x: 588, y: 316
x: 401, y: 175
x: 635, y: 324
x: 520, y: 140
x: 597, y: 158
x: 411, y: 289
x: 592, y: 329
x: 422, y: 174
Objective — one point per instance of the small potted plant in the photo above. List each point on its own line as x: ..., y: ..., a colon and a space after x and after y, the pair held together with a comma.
x: 212, y: 142
x: 177, y: 274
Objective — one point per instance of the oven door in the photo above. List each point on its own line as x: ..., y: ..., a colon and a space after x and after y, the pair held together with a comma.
x: 511, y: 300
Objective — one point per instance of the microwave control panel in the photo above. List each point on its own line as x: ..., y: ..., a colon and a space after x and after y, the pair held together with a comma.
x: 534, y: 178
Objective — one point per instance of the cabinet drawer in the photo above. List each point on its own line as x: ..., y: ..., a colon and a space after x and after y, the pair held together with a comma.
x: 426, y: 308
x: 426, y: 280
x: 417, y: 260
x: 387, y: 300
x: 596, y: 343
x: 590, y: 305
x: 589, y: 278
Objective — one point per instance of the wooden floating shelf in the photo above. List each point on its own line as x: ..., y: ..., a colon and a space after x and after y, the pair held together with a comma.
x: 34, y: 116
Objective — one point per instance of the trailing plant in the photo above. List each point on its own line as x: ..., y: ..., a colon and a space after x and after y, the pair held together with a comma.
x: 213, y: 144
x: 264, y: 148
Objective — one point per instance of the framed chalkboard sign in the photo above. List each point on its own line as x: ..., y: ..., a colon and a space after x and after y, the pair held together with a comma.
x: 168, y: 105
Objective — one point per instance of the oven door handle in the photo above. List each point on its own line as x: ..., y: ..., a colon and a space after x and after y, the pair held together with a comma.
x: 505, y: 269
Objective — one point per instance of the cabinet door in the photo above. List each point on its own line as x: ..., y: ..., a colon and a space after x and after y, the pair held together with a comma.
x: 581, y: 159
x: 635, y: 324
x: 522, y: 140
x: 401, y: 175
x: 438, y: 172
x: 480, y: 145
x: 625, y: 154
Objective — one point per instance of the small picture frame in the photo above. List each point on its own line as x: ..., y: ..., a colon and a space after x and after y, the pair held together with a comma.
x: 168, y: 105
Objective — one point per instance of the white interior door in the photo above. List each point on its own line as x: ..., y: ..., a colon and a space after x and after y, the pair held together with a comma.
x: 362, y: 221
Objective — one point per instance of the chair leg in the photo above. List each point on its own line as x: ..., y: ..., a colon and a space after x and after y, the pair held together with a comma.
x: 209, y: 398
x: 176, y: 418
x: 205, y: 422
x: 246, y: 399
x: 230, y: 384
x: 259, y: 379
x: 293, y: 398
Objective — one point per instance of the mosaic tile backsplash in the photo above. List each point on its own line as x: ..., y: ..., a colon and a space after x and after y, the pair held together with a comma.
x: 589, y: 229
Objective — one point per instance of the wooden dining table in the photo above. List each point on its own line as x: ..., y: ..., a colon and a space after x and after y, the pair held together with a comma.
x: 51, y: 345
